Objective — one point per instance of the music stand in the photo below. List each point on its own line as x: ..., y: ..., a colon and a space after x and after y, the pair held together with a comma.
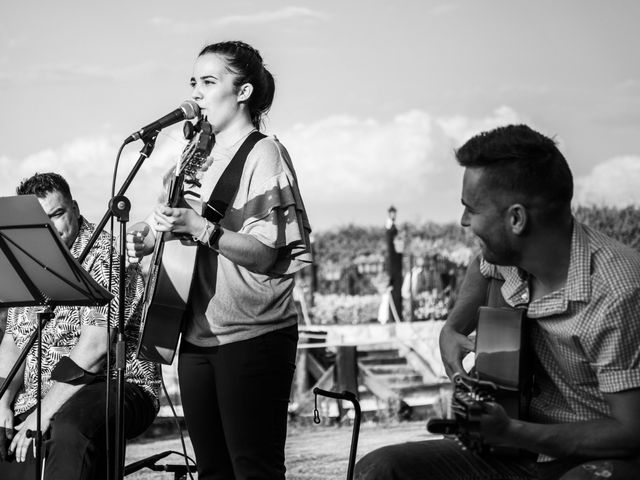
x: 37, y: 269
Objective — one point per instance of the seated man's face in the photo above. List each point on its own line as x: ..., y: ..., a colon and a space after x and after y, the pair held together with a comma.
x: 64, y: 214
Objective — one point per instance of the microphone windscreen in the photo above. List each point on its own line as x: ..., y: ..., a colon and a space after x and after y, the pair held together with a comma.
x: 191, y: 109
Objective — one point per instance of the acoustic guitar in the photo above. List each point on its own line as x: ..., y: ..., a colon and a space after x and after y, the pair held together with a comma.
x: 173, y: 260
x: 501, y: 374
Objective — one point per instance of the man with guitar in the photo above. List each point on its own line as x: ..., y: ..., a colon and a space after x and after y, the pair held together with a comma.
x: 74, y: 349
x: 581, y: 291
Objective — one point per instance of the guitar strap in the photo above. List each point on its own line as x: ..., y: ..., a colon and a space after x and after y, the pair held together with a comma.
x: 227, y: 186
x: 202, y: 288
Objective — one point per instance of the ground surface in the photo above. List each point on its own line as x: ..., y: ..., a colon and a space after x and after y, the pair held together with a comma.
x: 313, y: 452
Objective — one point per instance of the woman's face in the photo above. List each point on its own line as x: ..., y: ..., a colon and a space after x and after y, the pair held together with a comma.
x: 214, y: 91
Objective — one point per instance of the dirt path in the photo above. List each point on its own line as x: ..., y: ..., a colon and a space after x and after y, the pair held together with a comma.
x: 312, y: 452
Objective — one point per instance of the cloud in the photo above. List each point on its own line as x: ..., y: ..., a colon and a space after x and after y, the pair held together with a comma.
x: 611, y: 183
x: 351, y: 169
x: 258, y: 18
x: 14, y: 41
x: 460, y: 128
x: 445, y: 9
x: 630, y: 84
x: 74, y: 73
x: 88, y: 163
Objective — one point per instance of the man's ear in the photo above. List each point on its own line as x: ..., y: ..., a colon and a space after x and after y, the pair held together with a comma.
x: 244, y: 92
x: 518, y: 218
x: 76, y: 208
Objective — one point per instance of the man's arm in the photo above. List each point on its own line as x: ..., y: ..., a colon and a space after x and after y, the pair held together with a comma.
x: 89, y: 353
x: 613, y: 437
x: 9, y: 353
x: 462, y: 320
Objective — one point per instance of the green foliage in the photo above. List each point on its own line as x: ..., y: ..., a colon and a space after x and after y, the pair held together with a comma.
x: 342, y: 245
x: 336, y: 251
x: 339, y: 309
x: 621, y: 224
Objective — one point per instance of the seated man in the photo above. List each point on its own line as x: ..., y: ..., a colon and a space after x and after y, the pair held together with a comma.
x: 73, y: 411
x: 582, y: 294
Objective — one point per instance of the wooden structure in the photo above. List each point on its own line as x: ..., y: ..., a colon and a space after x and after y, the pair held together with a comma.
x: 388, y: 377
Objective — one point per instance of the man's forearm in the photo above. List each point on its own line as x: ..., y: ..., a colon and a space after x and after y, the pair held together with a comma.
x: 9, y: 355
x: 605, y: 438
x: 13, y: 387
x: 88, y: 354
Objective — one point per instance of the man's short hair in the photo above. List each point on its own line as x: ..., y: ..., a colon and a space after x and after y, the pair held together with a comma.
x: 521, y: 162
x: 41, y: 184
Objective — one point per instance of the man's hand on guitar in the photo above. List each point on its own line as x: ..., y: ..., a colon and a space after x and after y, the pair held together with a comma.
x: 494, y: 423
x: 453, y: 348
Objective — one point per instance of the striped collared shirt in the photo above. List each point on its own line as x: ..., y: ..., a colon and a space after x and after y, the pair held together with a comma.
x: 586, y: 336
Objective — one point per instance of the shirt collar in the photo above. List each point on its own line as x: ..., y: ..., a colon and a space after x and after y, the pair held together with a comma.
x: 82, y: 239
x: 578, y: 286
x: 516, y: 290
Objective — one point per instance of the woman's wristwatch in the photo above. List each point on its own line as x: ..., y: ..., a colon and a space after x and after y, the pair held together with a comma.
x: 214, y: 237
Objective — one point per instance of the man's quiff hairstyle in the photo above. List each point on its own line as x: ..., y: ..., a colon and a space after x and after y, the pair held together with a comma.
x: 41, y: 184
x: 521, y: 162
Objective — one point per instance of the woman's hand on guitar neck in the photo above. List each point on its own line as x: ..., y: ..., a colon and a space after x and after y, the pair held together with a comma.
x: 178, y: 220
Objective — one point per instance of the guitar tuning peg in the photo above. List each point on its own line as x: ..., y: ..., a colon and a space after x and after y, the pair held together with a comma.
x: 189, y: 130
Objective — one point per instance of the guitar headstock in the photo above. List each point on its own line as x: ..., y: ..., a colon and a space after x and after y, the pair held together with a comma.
x: 201, y: 141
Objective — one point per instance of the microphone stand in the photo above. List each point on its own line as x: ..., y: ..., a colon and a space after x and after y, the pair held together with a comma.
x: 119, y: 206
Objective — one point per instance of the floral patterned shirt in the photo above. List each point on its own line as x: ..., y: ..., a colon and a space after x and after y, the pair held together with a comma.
x: 61, y: 333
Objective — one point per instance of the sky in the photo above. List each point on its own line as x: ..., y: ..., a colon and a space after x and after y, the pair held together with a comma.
x: 372, y: 97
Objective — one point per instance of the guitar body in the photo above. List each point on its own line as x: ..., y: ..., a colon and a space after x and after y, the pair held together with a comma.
x: 166, y: 297
x: 501, y: 375
x: 172, y: 265
x: 502, y: 357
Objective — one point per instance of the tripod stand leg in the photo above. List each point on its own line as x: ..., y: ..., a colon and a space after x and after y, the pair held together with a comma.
x: 42, y: 317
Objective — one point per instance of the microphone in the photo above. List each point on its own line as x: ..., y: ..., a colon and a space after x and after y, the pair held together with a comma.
x: 187, y: 111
